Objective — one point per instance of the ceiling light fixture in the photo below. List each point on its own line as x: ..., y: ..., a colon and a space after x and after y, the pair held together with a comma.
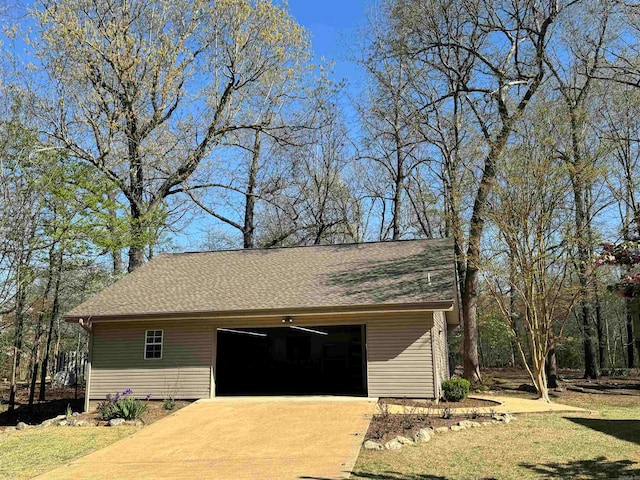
x: 255, y: 334
x: 318, y: 332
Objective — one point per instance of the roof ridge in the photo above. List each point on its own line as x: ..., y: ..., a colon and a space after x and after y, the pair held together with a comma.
x: 291, y: 247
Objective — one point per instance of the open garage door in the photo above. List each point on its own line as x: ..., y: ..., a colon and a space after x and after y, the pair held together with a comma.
x: 291, y: 360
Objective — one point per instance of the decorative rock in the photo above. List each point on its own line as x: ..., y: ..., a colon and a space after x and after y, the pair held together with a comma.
x: 393, y: 445
x: 487, y: 424
x: 114, y: 422
x: 136, y: 423
x: 64, y: 378
x: 504, y: 418
x: 423, y: 435
x: 404, y: 440
x: 59, y: 417
x: 21, y: 426
x: 80, y: 423
x: 63, y: 423
x: 457, y: 428
x: 475, y: 425
x: 465, y: 423
x: 371, y: 445
x: 75, y: 414
x: 441, y: 429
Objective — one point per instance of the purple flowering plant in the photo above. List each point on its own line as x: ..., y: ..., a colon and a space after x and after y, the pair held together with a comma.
x: 122, y: 405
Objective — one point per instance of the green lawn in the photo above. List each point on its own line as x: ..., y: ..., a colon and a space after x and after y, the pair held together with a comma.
x: 603, y: 445
x: 24, y: 454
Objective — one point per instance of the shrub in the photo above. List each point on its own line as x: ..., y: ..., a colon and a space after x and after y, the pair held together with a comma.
x: 122, y: 405
x: 455, y: 389
x: 169, y: 403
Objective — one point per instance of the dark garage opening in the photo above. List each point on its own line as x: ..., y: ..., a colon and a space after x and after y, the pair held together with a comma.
x: 291, y: 361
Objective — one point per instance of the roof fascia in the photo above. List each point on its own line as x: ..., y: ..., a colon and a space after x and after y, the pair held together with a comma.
x: 444, y: 306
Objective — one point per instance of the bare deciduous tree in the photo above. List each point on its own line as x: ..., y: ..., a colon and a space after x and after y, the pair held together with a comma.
x: 144, y: 91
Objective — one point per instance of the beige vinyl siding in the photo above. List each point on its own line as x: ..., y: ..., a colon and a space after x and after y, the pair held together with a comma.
x: 118, y: 360
x: 399, y: 354
x: 399, y: 358
x: 440, y: 349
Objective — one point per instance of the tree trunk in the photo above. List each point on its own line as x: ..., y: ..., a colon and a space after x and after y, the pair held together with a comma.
x: 136, y: 257
x: 248, y: 231
x: 34, y: 372
x: 14, y: 372
x: 469, y: 312
x: 600, y: 331
x: 117, y: 261
x: 541, y: 382
x: 590, y: 363
x: 552, y: 369
x: 53, y: 315
x: 629, y: 330
x: 116, y: 253
x: 397, y: 198
x: 580, y: 192
x: 136, y: 249
x: 21, y: 297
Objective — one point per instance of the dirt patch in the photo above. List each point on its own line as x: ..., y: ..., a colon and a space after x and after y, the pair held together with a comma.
x: 59, y: 399
x: 56, y: 402
x: 464, y: 403
x: 512, y: 380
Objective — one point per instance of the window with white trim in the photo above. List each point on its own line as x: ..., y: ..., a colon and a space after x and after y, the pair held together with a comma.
x: 153, y: 345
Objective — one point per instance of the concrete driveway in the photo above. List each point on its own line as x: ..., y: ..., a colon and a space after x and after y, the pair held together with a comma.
x: 241, y: 438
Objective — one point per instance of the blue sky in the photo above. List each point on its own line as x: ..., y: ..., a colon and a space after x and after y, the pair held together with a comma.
x: 331, y: 24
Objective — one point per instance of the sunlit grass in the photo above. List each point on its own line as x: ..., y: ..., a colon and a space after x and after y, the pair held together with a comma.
x: 25, y: 454
x: 534, y: 446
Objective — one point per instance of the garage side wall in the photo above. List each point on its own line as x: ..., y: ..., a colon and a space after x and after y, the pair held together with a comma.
x: 400, y: 359
x: 118, y: 360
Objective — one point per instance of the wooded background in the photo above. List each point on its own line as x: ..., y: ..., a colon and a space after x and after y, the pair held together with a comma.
x: 511, y: 126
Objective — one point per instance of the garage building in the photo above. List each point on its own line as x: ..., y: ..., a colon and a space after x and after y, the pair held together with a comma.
x: 367, y: 319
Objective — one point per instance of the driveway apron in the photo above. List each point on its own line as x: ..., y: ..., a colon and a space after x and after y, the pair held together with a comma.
x: 242, y: 438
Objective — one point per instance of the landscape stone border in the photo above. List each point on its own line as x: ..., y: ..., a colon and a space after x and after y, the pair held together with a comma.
x: 71, y: 421
x: 424, y: 434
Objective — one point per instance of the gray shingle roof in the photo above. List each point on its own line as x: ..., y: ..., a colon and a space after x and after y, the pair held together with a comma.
x: 382, y: 273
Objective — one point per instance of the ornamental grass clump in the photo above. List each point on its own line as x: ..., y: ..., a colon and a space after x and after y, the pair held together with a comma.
x: 122, y: 405
x: 455, y: 389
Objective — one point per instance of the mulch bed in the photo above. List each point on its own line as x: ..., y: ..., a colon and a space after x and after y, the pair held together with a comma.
x: 155, y: 411
x: 385, y: 427
x: 464, y: 403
